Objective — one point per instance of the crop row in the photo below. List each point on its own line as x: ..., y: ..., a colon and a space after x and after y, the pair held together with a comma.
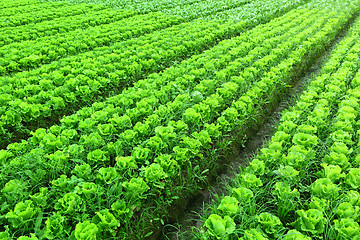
x: 149, y: 6
x: 128, y: 95
x: 88, y: 18
x: 141, y: 6
x: 52, y: 86
x: 256, y: 9
x: 304, y: 184
x: 118, y: 169
x: 29, y: 54
x: 16, y: 3
x: 47, y: 13
x: 31, y: 95
x: 31, y: 8
x: 201, y: 9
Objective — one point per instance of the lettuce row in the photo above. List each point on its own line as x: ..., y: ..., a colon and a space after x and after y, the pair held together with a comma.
x: 256, y: 9
x: 153, y: 175
x: 30, y: 54
x: 57, y: 102
x: 86, y: 117
x: 186, y: 76
x: 141, y: 6
x: 95, y: 156
x: 201, y: 9
x: 287, y: 163
x: 88, y: 18
x: 64, y: 9
x: 77, y: 80
x: 336, y: 176
x: 30, y: 8
x: 16, y: 3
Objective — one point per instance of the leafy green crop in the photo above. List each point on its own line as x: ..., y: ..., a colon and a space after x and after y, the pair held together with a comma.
x: 115, y: 168
x: 306, y: 176
x: 218, y: 227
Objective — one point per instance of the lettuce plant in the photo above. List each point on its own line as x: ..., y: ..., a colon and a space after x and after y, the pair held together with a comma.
x: 332, y: 172
x: 168, y: 164
x: 283, y: 192
x: 106, y: 221
x: 120, y: 208
x: 136, y: 187
x: 295, y: 235
x: 352, y: 197
x: 306, y: 140
x: 347, y: 228
x: 352, y: 179
x: 346, y: 210
x: 70, y: 203
x: 253, y: 234
x: 97, y: 156
x: 108, y: 174
x: 22, y: 214
x: 270, y: 223
x: 41, y: 198
x: 256, y: 167
x: 154, y: 174
x: 339, y: 159
x: 32, y: 237
x: 218, y: 227
x: 287, y: 173
x: 242, y: 194
x: 324, y: 188
x: 86, y: 231
x: 319, y: 204
x: 82, y: 171
x: 229, y: 206
x: 251, y: 181
x: 15, y: 190
x: 56, y: 226
x: 311, y: 221
x: 126, y: 164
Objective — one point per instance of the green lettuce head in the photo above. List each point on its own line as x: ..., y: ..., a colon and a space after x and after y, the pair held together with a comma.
x: 311, y: 221
x: 218, y: 227
x: 347, y: 228
x: 86, y: 231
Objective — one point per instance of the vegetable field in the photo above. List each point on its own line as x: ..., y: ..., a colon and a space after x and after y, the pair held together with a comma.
x: 115, y: 114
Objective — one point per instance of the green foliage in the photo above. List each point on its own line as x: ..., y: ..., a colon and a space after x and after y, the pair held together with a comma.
x: 347, y: 210
x: 218, y: 227
x: 114, y: 168
x: 229, y: 206
x: 253, y: 234
x: 106, y: 221
x: 332, y: 172
x: 270, y: 224
x: 251, y: 181
x: 154, y: 174
x: 22, y: 214
x: 242, y: 194
x: 352, y: 178
x: 295, y: 235
x: 347, y: 228
x: 311, y: 221
x: 86, y: 231
x: 136, y: 187
x: 324, y: 188
x: 55, y: 226
x: 70, y: 203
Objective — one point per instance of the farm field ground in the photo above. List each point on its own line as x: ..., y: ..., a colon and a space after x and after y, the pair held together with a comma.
x: 115, y: 115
